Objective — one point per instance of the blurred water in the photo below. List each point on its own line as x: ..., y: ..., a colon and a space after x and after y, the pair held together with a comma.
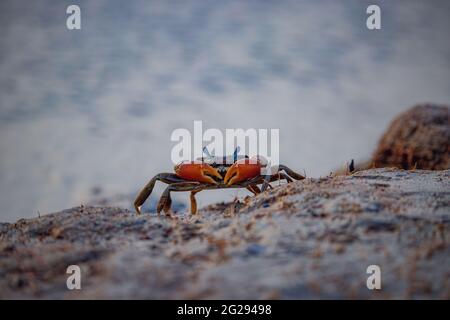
x: 96, y: 107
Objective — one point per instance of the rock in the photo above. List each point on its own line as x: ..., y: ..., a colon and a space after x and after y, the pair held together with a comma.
x: 309, y: 239
x: 418, y: 138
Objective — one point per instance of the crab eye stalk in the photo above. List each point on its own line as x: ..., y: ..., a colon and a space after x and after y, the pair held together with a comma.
x: 242, y: 170
x: 197, y: 171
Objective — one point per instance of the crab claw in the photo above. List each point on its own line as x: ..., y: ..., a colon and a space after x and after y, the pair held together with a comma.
x: 197, y: 171
x: 242, y: 170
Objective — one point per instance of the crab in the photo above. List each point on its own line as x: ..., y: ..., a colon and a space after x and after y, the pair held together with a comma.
x: 207, y: 173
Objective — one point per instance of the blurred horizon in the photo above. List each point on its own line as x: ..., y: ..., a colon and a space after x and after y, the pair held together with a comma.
x: 94, y: 109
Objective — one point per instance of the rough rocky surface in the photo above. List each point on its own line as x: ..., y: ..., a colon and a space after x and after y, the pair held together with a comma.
x: 418, y: 138
x: 125, y: 201
x: 310, y: 239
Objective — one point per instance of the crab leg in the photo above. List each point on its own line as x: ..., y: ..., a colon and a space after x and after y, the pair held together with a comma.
x: 266, y: 183
x: 165, y: 201
x: 254, y: 189
x: 285, y: 176
x: 143, y: 195
x: 288, y: 176
x: 275, y: 177
x: 194, y: 201
x: 290, y: 172
x: 194, y: 187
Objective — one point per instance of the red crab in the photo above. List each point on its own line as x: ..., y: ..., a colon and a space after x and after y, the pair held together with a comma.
x: 214, y: 173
